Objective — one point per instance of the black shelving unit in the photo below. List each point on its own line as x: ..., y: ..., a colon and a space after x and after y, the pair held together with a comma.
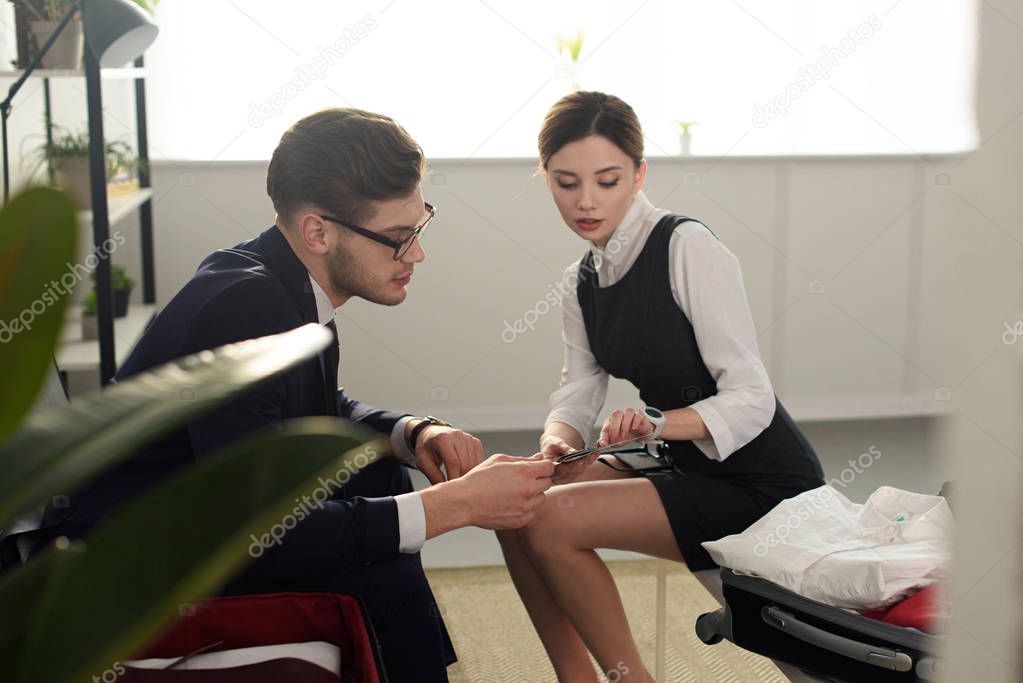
x: 100, y: 208
x: 100, y: 216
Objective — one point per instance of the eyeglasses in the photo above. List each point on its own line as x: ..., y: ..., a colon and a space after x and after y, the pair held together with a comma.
x: 400, y: 246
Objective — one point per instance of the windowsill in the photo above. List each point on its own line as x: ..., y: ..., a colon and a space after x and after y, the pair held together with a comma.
x: 657, y: 159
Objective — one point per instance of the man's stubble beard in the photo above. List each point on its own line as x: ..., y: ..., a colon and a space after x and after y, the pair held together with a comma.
x: 351, y: 278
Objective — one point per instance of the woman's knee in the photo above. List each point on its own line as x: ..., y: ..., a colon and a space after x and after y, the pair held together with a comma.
x: 549, y: 532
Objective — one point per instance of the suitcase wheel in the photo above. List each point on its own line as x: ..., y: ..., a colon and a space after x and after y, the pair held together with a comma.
x: 707, y: 627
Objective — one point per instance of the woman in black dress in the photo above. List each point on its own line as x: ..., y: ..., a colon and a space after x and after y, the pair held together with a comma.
x: 659, y: 301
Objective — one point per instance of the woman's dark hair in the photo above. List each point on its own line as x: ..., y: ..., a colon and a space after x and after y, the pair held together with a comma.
x: 341, y: 160
x: 582, y: 114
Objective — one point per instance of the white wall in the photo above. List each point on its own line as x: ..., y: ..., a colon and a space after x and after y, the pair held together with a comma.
x: 831, y: 251
x: 979, y: 236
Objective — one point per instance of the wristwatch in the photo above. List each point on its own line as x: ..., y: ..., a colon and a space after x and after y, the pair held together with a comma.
x: 425, y: 422
x: 657, y: 418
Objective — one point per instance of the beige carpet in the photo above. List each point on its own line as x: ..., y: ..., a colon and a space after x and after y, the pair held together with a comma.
x: 495, y: 640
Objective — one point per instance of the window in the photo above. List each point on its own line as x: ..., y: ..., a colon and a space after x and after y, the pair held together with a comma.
x: 473, y: 78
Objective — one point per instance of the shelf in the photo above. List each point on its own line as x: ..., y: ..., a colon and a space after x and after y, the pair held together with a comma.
x: 119, y: 206
x: 75, y: 354
x: 113, y: 74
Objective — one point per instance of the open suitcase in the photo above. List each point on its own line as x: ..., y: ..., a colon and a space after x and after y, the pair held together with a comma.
x: 828, y: 642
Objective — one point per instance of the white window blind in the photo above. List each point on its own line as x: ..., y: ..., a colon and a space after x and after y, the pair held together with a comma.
x: 472, y: 78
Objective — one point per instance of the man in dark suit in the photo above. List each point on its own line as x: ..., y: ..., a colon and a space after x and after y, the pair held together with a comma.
x: 345, y: 185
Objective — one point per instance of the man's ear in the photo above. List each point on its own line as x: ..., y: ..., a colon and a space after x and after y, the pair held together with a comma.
x: 640, y: 176
x: 312, y: 233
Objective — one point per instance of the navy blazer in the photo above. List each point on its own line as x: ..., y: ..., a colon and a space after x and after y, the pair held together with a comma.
x: 254, y: 289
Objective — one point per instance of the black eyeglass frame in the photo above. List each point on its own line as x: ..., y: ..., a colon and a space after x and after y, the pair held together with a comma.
x: 400, y: 247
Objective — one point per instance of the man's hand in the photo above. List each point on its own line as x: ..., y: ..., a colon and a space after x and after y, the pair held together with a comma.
x: 624, y: 424
x: 502, y: 493
x: 456, y: 450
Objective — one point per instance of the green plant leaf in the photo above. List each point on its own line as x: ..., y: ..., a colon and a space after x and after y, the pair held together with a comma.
x: 74, y: 145
x: 573, y: 45
x: 37, y: 240
x: 180, y: 542
x: 21, y: 591
x: 56, y: 451
x: 89, y: 303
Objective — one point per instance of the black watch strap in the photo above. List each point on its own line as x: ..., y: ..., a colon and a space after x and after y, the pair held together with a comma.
x: 423, y: 424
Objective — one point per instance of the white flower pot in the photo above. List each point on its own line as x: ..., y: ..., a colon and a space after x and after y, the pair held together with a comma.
x: 685, y: 141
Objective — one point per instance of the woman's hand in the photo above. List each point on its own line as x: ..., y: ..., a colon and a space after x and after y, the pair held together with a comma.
x: 623, y: 425
x: 552, y: 448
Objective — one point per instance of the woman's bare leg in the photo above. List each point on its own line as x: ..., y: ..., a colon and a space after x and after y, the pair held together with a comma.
x: 564, y: 647
x: 623, y: 514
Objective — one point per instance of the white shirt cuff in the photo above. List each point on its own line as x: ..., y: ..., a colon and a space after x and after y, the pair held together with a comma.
x: 573, y: 420
x: 398, y: 445
x: 721, y: 443
x: 411, y: 522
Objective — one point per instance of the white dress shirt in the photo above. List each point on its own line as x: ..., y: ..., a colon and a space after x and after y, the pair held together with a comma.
x: 411, y: 515
x: 707, y: 285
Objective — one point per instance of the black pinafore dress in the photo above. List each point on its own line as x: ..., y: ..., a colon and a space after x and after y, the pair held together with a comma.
x: 653, y: 346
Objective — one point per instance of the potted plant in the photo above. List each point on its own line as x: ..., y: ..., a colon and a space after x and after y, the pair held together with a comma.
x: 43, y: 18
x: 68, y: 157
x: 685, y: 139
x: 122, y: 286
x: 90, y: 328
x: 573, y: 46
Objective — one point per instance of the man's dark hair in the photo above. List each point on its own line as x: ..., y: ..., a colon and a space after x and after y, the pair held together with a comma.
x: 340, y: 160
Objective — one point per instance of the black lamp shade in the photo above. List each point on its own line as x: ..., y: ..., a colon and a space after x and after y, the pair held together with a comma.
x: 117, y: 31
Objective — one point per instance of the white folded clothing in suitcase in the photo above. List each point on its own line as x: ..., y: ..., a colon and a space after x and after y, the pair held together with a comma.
x: 822, y: 546
x: 324, y: 655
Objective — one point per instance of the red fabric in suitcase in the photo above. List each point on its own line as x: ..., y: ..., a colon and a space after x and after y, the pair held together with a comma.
x: 923, y: 610
x: 230, y: 623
